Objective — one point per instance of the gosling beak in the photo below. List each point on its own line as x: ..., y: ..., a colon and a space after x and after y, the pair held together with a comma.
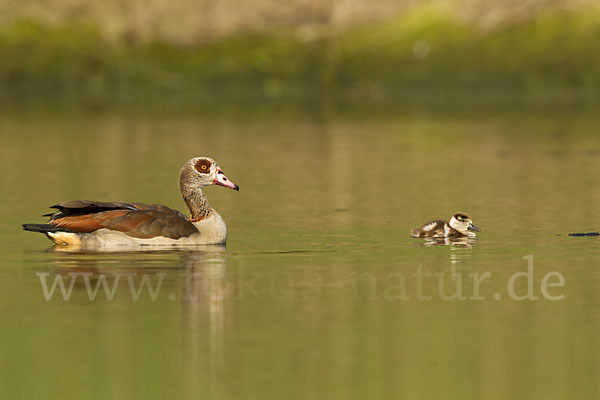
x: 473, y: 228
x: 222, y: 180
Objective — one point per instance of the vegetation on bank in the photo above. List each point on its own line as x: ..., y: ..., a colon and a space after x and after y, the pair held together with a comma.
x: 422, y: 53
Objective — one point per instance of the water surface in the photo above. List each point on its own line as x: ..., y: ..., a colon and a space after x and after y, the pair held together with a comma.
x: 317, y: 293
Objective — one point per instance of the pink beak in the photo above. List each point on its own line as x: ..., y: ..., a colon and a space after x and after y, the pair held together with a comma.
x: 222, y: 180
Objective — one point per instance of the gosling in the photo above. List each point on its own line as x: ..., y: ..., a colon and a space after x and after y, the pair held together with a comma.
x: 459, y: 225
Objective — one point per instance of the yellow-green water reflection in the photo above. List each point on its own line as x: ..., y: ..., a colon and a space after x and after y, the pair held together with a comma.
x: 316, y: 294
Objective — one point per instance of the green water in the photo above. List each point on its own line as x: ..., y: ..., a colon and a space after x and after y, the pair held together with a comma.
x: 316, y: 294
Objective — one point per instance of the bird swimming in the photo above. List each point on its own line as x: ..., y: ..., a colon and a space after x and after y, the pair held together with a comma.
x: 86, y: 223
x: 459, y: 225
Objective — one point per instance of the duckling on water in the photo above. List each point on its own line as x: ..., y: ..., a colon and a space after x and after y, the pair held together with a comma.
x: 460, y: 224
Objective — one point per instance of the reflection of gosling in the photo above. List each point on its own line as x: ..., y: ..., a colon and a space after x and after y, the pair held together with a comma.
x: 459, y: 225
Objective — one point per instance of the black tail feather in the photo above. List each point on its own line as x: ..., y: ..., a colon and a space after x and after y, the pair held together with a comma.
x: 43, y: 228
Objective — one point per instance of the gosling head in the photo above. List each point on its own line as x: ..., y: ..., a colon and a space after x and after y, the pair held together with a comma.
x: 462, y: 223
x: 203, y: 171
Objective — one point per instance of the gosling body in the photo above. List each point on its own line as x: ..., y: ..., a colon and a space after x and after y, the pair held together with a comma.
x: 459, y: 225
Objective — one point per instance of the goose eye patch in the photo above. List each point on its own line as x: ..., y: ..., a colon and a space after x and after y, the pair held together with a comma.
x: 203, y: 166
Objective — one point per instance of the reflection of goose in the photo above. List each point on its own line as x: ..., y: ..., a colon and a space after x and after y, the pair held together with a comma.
x: 197, y: 277
x: 206, y: 288
x: 190, y: 292
x: 90, y: 224
x: 459, y: 225
x: 207, y: 311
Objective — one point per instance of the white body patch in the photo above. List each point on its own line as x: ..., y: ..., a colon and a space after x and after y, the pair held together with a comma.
x: 211, y: 231
x: 429, y: 227
x: 446, y: 230
x: 65, y: 238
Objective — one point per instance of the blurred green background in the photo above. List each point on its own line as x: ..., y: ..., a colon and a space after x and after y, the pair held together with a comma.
x: 444, y: 51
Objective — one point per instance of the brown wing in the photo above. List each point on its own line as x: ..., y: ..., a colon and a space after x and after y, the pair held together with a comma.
x: 134, y: 219
x: 145, y: 224
x: 79, y: 207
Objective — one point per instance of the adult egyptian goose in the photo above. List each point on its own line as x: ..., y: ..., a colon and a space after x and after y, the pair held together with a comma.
x: 459, y: 225
x: 85, y: 223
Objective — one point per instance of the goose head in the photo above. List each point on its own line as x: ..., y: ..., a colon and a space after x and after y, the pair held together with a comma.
x: 203, y: 171
x: 463, y: 223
